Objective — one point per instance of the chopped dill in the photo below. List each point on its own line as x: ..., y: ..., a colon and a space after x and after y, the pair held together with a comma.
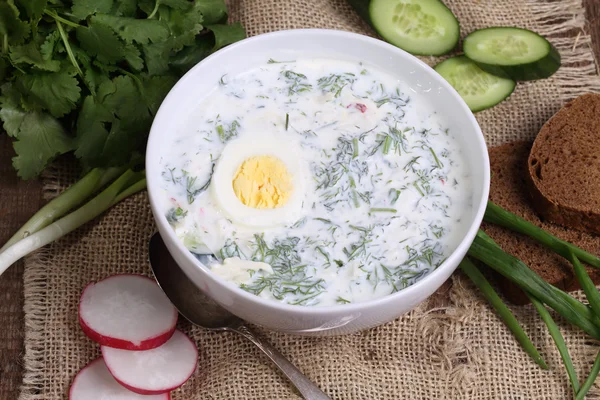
x: 437, y: 161
x: 272, y: 61
x: 394, y: 195
x: 298, y: 83
x: 355, y: 226
x: 411, y: 164
x: 290, y: 279
x: 192, y: 192
x: 335, y: 83
x: 300, y: 223
x: 227, y: 132
x: 324, y: 254
x: 416, y: 185
x: 174, y: 215
x: 231, y: 249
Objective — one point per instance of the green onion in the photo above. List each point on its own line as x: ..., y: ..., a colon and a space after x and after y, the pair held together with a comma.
x: 127, y: 184
x: 590, y: 380
x: 578, y: 314
x: 390, y: 210
x: 387, y: 143
x: 591, y: 293
x: 355, y: 148
x: 70, y: 198
x: 558, y: 340
x: 503, y: 311
x: 497, y: 215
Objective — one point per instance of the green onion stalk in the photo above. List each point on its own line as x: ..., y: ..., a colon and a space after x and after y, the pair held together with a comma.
x: 45, y: 226
x: 503, y: 311
x: 577, y: 313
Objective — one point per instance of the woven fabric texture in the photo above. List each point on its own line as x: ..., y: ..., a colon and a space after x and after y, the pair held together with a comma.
x: 451, y: 347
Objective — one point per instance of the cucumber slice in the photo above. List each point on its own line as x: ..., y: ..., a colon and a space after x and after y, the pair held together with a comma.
x: 512, y: 52
x: 479, y: 89
x: 420, y: 27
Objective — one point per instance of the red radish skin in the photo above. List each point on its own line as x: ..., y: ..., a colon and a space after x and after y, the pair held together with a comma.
x: 155, y: 371
x: 128, y: 312
x: 94, y: 382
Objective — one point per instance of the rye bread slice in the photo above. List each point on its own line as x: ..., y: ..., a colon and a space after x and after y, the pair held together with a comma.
x: 509, y: 189
x: 564, y: 166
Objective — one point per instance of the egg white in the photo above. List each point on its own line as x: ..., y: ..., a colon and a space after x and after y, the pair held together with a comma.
x: 234, y: 154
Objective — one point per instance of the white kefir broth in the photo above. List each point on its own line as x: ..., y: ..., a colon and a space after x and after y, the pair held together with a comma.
x: 381, y: 188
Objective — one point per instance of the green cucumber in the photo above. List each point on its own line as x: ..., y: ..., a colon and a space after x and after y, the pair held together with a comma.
x: 513, y: 53
x: 420, y: 27
x: 479, y: 89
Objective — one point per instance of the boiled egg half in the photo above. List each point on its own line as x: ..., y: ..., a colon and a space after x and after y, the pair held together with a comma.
x: 260, y: 181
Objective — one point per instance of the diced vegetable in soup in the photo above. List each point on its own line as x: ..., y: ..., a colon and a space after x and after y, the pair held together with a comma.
x: 317, y: 182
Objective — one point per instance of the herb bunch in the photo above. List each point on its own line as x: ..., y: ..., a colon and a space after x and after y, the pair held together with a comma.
x: 541, y: 293
x: 87, y: 77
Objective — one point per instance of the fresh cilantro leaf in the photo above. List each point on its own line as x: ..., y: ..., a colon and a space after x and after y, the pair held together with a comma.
x: 147, y: 6
x: 56, y: 92
x: 124, y: 140
x: 124, y: 101
x: 11, y: 112
x: 184, y: 60
x: 100, y: 41
x: 155, y: 90
x: 10, y: 25
x: 177, y: 4
x: 93, y: 77
x: 34, y: 8
x: 49, y: 46
x: 13, y: 117
x: 30, y: 54
x: 227, y: 34
x: 128, y: 64
x: 182, y: 22
x: 40, y: 139
x: 92, y: 132
x: 84, y: 8
x: 213, y: 11
x: 141, y: 31
x: 132, y: 56
x: 108, y: 132
x: 3, y: 69
x: 124, y: 8
x: 105, y: 88
x: 156, y: 56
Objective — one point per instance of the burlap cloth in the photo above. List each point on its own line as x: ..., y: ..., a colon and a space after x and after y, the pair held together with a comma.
x: 452, y: 347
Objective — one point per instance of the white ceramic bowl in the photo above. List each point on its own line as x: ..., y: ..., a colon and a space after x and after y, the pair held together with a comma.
x: 242, y: 56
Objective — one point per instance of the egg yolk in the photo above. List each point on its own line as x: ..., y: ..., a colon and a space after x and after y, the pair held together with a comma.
x: 263, y: 182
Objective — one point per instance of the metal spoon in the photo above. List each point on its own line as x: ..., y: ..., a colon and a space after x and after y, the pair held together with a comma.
x: 201, y: 310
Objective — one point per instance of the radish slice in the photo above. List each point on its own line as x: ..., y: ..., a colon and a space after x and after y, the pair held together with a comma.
x: 154, y: 371
x: 127, y: 312
x: 94, y: 381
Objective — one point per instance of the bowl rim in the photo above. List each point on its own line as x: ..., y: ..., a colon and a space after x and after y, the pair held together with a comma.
x: 451, y: 262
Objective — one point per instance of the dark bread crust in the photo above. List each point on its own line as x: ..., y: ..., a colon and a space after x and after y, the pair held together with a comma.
x: 509, y: 190
x: 564, y: 166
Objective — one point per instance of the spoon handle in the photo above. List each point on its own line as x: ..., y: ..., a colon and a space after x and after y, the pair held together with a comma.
x: 309, y: 390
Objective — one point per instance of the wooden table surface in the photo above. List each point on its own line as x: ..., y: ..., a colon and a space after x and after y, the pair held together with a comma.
x: 19, y: 200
